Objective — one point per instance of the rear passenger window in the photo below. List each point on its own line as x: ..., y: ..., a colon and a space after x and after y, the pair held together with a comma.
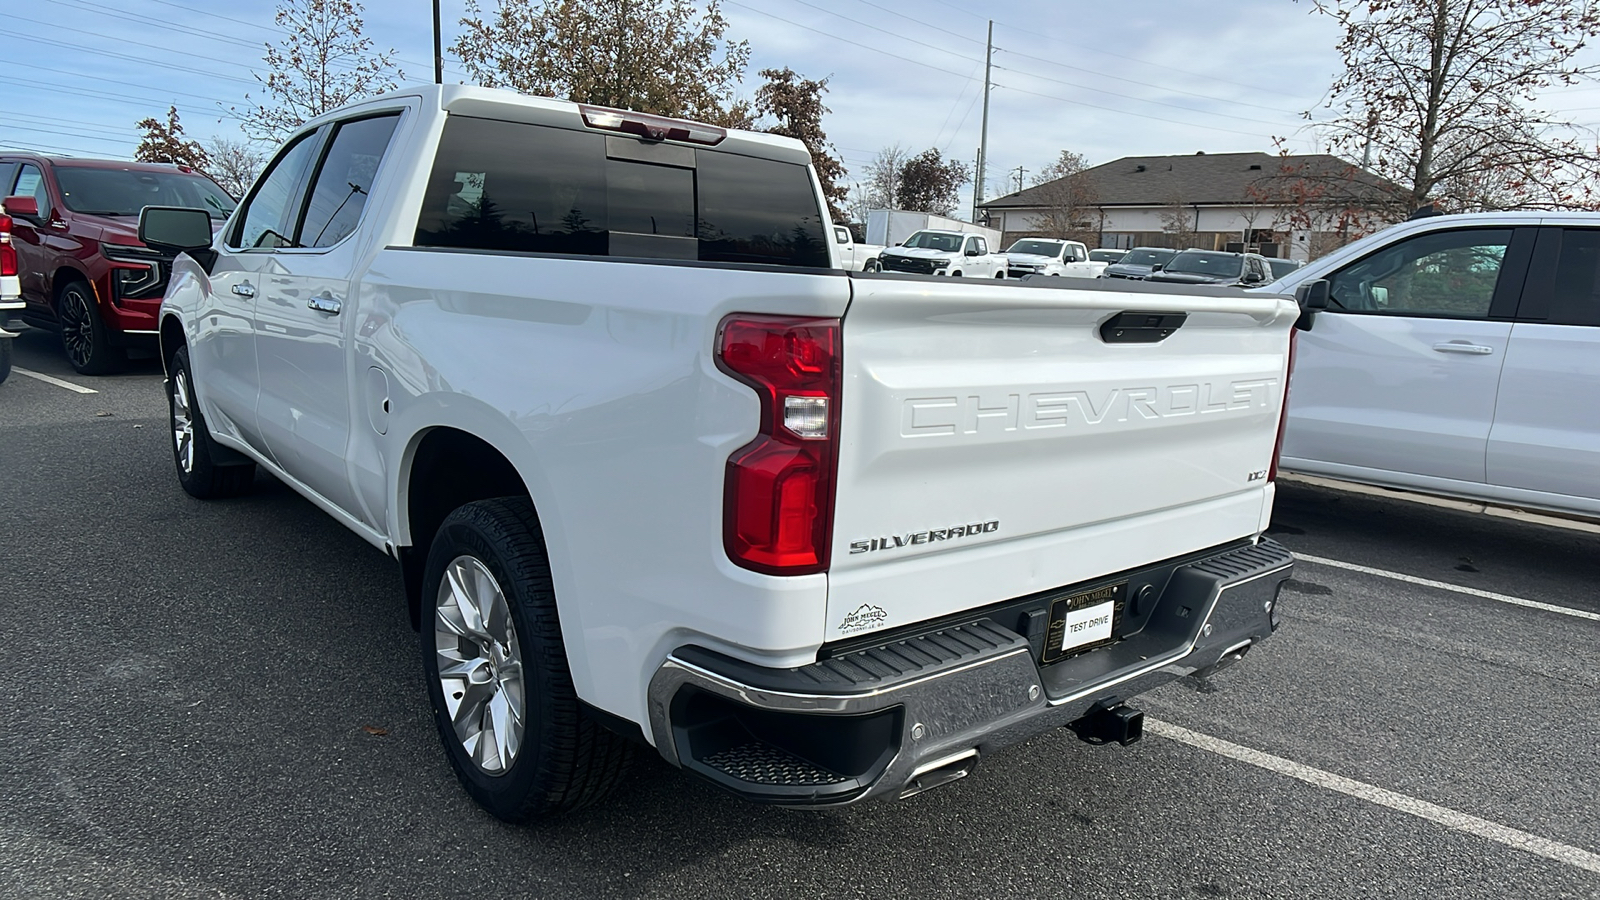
x: 509, y: 186
x: 1574, y: 294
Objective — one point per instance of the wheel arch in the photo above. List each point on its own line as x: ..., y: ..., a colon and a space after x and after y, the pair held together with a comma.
x: 65, y: 275
x: 171, y: 337
x: 445, y: 467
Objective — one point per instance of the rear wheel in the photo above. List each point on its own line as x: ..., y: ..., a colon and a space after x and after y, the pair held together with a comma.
x: 502, y: 696
x: 1000, y: 274
x: 5, y: 357
x: 872, y: 265
x: 84, y: 335
x: 193, y: 451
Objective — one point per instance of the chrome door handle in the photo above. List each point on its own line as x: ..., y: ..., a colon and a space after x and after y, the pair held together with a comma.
x: 1463, y: 347
x: 325, y: 303
x: 245, y: 289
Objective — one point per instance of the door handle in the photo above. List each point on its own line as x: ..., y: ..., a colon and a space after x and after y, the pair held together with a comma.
x: 245, y: 289
x: 1463, y: 347
x: 325, y: 303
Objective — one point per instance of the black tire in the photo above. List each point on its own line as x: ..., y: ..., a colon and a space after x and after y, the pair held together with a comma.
x: 5, y: 358
x: 1001, y: 274
x: 565, y: 760
x: 955, y: 274
x: 83, y: 335
x: 201, y: 474
x: 872, y: 265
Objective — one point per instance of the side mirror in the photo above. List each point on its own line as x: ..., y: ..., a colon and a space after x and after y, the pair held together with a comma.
x: 22, y: 207
x: 1251, y: 278
x: 1312, y: 297
x: 178, y: 229
x: 1157, y: 267
x: 973, y: 251
x: 899, y: 243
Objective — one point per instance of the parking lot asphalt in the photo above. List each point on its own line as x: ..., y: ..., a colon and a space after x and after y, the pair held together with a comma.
x: 224, y: 700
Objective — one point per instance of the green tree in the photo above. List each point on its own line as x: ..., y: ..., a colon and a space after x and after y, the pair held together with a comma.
x: 1444, y: 96
x: 322, y: 62
x: 665, y: 57
x: 797, y: 105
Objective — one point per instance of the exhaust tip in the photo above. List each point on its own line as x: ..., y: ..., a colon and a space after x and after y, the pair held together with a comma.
x: 940, y: 772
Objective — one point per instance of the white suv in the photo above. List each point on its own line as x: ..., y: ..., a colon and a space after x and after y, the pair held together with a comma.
x: 1458, y: 355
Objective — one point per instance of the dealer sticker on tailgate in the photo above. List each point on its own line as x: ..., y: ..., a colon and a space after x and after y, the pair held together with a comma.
x: 1084, y: 620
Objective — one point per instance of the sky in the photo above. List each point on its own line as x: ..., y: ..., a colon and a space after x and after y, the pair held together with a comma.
x: 1106, y: 80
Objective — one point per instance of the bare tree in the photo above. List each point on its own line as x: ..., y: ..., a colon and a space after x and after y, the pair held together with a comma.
x: 1444, y: 93
x: 666, y: 57
x: 164, y: 142
x: 1177, y: 220
x: 321, y: 63
x: 1067, y: 199
x: 930, y: 183
x: 883, y: 177
x: 234, y: 164
x: 797, y: 105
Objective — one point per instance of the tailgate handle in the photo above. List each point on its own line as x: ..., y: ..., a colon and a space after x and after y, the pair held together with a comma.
x: 1133, y: 326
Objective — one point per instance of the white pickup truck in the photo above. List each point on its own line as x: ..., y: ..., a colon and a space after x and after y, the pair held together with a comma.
x: 953, y: 253
x: 1047, y: 256
x: 855, y: 257
x: 657, y: 472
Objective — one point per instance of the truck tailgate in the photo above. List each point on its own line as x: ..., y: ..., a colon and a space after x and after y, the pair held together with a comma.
x: 994, y: 444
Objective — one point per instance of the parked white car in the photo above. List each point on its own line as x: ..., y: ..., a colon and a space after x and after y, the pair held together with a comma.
x: 1459, y: 355
x: 952, y: 253
x: 854, y: 257
x: 1047, y: 256
x: 665, y: 476
x: 1107, y: 255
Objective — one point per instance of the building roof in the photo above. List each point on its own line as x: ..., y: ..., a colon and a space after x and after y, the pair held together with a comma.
x: 1203, y: 178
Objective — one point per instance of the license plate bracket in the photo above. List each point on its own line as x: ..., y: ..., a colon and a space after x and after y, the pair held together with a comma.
x: 1084, y: 620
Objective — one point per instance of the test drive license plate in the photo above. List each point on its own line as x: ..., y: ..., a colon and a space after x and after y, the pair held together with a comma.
x: 1084, y: 620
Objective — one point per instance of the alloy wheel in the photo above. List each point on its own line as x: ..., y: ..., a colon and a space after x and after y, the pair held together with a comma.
x: 479, y: 662
x: 77, y: 327
x: 182, y: 421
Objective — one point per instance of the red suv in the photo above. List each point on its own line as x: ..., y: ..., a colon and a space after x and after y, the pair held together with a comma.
x: 74, y: 225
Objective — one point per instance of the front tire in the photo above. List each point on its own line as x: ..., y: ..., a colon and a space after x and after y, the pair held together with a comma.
x: 83, y: 335
x: 496, y: 668
x: 872, y: 265
x: 193, y: 451
x: 1000, y: 274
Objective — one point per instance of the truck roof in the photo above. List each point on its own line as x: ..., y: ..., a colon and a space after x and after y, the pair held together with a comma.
x: 495, y: 103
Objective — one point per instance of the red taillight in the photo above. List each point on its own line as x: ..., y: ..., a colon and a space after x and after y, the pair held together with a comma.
x: 778, y: 496
x: 8, y: 253
x: 1283, y: 414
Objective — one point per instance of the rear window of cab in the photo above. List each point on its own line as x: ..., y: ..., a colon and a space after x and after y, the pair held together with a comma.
x: 508, y: 186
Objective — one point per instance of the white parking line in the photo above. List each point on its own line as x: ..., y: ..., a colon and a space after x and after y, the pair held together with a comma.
x: 1449, y: 818
x: 51, y: 379
x: 1445, y: 586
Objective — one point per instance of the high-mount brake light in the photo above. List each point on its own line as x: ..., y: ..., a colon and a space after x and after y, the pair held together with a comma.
x: 651, y: 128
x: 8, y: 253
x: 1283, y: 414
x: 778, y: 494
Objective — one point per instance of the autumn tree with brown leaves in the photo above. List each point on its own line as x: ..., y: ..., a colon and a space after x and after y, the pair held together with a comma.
x: 666, y: 57
x: 322, y: 62
x: 797, y: 105
x: 929, y: 183
x: 164, y: 142
x: 234, y: 164
x: 1446, y: 95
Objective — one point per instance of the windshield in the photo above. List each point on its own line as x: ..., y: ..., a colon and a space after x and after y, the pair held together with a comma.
x: 124, y: 192
x: 1106, y: 256
x: 1282, y: 267
x: 932, y: 240
x: 1222, y: 265
x: 1147, y: 257
x: 1038, y: 248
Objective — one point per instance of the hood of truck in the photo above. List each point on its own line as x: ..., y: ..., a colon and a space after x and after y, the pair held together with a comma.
x: 1031, y: 259
x: 993, y: 444
x: 920, y: 253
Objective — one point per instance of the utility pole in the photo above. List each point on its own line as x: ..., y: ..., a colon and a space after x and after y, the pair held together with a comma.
x: 1019, y: 172
x: 983, y: 138
x: 438, y: 58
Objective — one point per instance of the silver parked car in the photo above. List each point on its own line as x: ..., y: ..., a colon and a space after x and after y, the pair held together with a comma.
x: 1458, y: 355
